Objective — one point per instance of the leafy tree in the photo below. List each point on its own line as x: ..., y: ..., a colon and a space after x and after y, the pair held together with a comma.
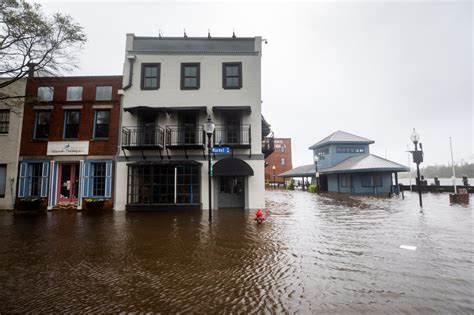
x: 31, y: 41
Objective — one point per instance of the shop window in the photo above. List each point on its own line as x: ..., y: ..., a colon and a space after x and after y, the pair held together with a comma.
x: 377, y: 180
x: 98, y: 179
x: 33, y: 179
x: 3, y: 179
x: 367, y: 181
x: 344, y: 181
x: 4, y: 121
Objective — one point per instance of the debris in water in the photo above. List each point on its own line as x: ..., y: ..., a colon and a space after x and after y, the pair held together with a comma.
x: 408, y: 247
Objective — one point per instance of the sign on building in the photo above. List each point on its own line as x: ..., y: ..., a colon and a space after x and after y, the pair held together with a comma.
x: 68, y: 148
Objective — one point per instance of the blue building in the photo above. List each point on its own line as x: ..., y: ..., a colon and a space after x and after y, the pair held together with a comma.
x: 345, y: 165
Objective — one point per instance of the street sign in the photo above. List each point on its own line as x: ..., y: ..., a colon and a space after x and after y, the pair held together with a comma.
x: 220, y: 150
x: 317, y: 174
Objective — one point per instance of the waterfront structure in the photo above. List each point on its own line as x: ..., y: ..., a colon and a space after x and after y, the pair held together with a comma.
x: 345, y: 165
x: 279, y: 161
x: 69, y: 140
x: 171, y: 86
x: 11, y: 116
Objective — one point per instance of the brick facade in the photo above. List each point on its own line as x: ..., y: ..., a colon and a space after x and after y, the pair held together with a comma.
x: 275, y: 159
x: 31, y: 147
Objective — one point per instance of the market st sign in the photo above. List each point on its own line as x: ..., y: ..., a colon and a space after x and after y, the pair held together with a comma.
x: 68, y: 148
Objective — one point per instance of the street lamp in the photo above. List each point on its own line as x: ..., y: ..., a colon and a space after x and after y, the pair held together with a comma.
x: 417, y: 159
x: 209, y: 129
x: 273, y: 168
x: 316, y: 159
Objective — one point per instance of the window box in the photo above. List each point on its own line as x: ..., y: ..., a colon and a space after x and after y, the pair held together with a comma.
x: 94, y: 204
x: 31, y: 204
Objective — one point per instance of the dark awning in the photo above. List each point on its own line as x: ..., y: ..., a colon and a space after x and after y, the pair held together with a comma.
x: 247, y: 109
x: 164, y: 109
x: 232, y: 167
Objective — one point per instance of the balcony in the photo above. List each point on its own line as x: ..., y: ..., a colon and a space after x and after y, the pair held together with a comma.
x: 268, y: 145
x: 185, y: 137
x: 142, y: 138
x: 234, y: 136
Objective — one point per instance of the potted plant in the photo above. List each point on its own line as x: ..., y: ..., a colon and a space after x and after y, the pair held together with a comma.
x: 94, y: 203
x: 30, y: 204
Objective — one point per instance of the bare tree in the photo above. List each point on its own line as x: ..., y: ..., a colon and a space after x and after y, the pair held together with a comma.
x: 30, y: 41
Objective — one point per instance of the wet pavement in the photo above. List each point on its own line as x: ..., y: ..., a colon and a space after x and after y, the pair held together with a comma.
x: 314, y: 254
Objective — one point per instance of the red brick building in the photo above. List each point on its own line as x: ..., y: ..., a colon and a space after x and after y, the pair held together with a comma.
x: 69, y: 139
x: 279, y: 161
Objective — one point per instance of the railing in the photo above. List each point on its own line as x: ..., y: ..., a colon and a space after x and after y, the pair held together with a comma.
x: 268, y: 145
x: 233, y: 135
x: 142, y: 137
x: 185, y: 136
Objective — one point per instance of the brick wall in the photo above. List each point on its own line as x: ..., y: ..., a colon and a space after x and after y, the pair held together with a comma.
x: 32, y: 147
x: 274, y: 159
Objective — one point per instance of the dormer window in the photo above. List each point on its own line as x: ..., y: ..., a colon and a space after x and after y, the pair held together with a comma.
x: 350, y: 150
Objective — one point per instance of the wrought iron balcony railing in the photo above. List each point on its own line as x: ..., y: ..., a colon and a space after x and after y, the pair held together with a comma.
x: 268, y: 145
x: 185, y: 137
x: 142, y: 138
x: 235, y: 136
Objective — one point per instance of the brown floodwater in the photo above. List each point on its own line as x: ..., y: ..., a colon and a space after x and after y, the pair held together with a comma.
x: 314, y: 254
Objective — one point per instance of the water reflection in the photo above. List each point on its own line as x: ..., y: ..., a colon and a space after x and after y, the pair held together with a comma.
x: 328, y: 253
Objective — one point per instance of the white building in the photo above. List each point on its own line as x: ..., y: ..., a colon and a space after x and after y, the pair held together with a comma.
x: 11, y: 118
x: 171, y: 87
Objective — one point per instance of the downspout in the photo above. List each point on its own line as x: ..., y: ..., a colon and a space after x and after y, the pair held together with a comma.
x: 131, y: 60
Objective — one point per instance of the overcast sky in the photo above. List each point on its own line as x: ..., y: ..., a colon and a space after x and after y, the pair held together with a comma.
x: 375, y: 69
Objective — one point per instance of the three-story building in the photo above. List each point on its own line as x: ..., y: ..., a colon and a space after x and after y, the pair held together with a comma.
x: 171, y: 86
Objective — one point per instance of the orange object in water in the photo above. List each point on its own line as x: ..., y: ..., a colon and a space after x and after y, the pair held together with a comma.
x: 260, y: 218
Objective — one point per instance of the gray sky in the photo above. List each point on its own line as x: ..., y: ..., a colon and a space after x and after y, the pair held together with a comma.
x: 375, y: 69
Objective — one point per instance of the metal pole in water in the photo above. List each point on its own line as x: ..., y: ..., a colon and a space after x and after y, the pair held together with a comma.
x: 409, y: 165
x: 452, y: 163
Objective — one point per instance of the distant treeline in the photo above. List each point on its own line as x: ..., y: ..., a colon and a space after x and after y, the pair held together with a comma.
x: 444, y: 171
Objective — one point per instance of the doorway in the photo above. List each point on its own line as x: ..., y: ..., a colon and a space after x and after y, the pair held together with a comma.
x: 231, y: 192
x: 68, y: 182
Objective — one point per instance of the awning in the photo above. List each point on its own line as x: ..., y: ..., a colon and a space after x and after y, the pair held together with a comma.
x: 232, y: 167
x: 247, y: 109
x: 133, y: 109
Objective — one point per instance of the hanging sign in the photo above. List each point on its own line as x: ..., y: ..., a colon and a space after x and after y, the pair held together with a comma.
x: 220, y: 150
x: 68, y: 148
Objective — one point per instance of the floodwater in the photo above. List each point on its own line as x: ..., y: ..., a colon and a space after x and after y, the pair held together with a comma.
x: 314, y: 254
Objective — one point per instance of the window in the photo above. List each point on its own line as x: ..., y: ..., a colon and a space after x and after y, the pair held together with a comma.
x: 103, y: 93
x: 33, y: 179
x: 3, y: 179
x: 42, y: 124
x: 4, y: 121
x: 101, y: 123
x: 74, y: 93
x: 344, y: 181
x: 282, y: 148
x: 282, y: 161
x: 71, y: 124
x: 45, y: 93
x: 367, y: 181
x: 321, y: 153
x: 377, y: 180
x: 155, y: 184
x: 350, y: 150
x: 150, y: 76
x: 232, y: 75
x: 190, y: 76
x: 98, y: 179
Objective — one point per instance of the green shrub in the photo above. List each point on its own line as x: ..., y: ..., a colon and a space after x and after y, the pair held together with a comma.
x: 312, y: 188
x: 291, y: 185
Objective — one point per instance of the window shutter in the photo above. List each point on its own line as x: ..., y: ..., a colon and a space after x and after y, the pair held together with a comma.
x: 86, y: 179
x: 22, y: 186
x: 44, y: 179
x: 108, y: 179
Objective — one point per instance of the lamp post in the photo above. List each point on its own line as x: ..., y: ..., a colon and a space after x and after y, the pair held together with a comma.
x: 417, y: 159
x: 273, y: 168
x: 209, y: 127
x: 316, y: 159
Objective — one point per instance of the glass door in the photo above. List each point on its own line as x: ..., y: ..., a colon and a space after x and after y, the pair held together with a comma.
x: 68, y: 182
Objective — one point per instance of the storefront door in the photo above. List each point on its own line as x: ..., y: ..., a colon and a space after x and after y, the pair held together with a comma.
x: 68, y: 182
x: 231, y: 192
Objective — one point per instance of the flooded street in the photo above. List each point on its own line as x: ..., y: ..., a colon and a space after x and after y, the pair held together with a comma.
x: 314, y: 254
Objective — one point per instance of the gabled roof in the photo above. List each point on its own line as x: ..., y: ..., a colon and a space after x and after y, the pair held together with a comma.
x: 355, y: 164
x: 365, y: 163
x: 341, y: 137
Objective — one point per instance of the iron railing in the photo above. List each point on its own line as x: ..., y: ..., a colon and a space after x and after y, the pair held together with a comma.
x: 233, y: 135
x: 268, y: 145
x: 142, y: 137
x: 185, y: 136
